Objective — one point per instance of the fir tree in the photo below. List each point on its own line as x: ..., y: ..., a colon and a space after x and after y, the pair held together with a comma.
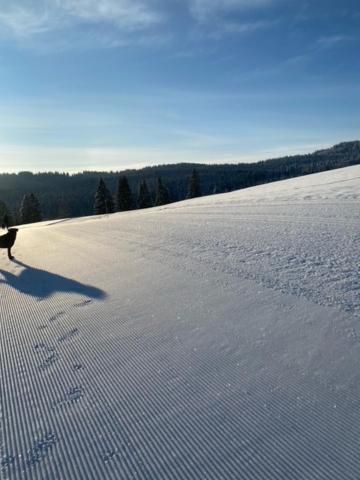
x: 63, y: 208
x: 109, y: 203
x: 124, y: 199
x: 162, y: 195
x: 30, y: 211
x: 5, y: 216
x: 103, y: 199
x: 194, y: 185
x: 144, y: 198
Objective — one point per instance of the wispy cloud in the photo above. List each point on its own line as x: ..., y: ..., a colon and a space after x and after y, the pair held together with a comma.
x: 25, y: 21
x: 60, y: 24
x: 316, y: 48
x: 28, y: 18
x: 203, y: 10
x: 225, y: 28
x: 216, y: 19
x: 333, y: 40
x: 128, y: 14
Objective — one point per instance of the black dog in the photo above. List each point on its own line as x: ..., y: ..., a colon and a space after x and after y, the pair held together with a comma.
x: 8, y: 240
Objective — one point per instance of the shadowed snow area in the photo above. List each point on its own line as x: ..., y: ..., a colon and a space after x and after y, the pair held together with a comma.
x: 216, y: 338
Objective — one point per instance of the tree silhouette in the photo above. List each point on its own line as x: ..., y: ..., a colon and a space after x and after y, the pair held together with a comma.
x: 162, y: 195
x: 194, y: 189
x: 144, y: 198
x: 103, y: 199
x: 30, y: 211
x: 124, y: 199
x: 6, y: 219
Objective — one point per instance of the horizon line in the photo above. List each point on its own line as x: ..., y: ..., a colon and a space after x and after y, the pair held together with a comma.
x: 140, y: 167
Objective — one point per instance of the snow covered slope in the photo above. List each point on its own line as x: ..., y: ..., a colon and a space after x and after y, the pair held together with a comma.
x: 217, y: 338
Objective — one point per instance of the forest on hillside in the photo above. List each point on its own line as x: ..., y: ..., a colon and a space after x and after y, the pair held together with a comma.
x: 63, y: 195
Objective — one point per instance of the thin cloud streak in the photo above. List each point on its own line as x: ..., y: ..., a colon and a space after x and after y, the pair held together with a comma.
x: 26, y: 19
x: 226, y: 28
x: 125, y: 14
x: 333, y: 40
x: 203, y: 10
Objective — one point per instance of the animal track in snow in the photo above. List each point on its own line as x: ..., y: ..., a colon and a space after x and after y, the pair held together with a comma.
x: 49, y: 360
x: 51, y: 355
x: 77, y: 366
x: 73, y: 395
x: 6, y: 462
x: 42, y: 347
x: 110, y: 454
x: 40, y: 449
x: 68, y: 335
x: 55, y: 317
x: 83, y: 304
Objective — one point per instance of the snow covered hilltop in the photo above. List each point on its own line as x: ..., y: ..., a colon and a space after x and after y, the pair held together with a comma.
x: 216, y: 338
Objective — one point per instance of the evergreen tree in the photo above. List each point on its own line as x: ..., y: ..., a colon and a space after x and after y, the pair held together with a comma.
x: 194, y: 185
x: 124, y: 199
x: 103, y: 199
x: 109, y: 203
x: 63, y: 208
x: 144, y: 198
x: 162, y: 195
x: 5, y: 216
x: 30, y: 211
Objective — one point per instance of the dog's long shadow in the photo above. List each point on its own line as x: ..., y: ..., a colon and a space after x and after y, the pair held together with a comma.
x: 42, y: 284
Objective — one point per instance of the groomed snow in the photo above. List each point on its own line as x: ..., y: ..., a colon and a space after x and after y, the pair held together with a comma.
x: 216, y: 338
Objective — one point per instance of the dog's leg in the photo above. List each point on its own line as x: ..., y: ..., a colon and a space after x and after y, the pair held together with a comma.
x: 9, y: 254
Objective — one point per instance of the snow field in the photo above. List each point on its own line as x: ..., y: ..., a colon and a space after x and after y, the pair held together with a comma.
x: 216, y: 338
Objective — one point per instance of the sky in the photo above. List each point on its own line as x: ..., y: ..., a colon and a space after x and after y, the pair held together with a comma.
x: 115, y: 84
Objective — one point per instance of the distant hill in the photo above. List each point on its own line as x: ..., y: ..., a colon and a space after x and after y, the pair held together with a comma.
x: 64, y: 195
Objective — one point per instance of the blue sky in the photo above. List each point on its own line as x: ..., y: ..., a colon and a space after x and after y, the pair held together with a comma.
x: 112, y: 84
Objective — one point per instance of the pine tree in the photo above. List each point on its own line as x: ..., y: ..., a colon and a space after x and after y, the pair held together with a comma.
x: 6, y: 219
x: 30, y: 211
x: 63, y: 209
x: 103, y: 200
x: 162, y: 195
x: 109, y: 203
x: 124, y: 199
x: 194, y: 185
x: 144, y: 198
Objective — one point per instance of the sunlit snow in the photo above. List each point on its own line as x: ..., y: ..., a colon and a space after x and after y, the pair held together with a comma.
x: 215, y: 338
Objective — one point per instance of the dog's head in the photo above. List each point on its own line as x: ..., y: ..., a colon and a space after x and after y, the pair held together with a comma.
x: 13, y: 231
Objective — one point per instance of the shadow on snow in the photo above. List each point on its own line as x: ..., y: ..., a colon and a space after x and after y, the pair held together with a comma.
x: 42, y: 284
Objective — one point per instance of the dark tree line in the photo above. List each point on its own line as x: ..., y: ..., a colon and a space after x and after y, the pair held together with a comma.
x: 63, y: 195
x: 125, y: 200
x: 29, y: 212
